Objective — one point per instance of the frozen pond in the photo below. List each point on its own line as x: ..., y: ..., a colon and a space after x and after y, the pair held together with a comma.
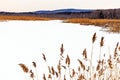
x: 25, y: 41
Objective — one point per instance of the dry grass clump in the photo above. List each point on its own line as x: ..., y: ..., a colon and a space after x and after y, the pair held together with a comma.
x: 112, y: 24
x: 18, y: 17
x: 106, y: 69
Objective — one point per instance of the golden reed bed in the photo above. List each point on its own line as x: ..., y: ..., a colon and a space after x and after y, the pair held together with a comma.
x: 112, y: 24
x: 105, y: 69
x: 9, y: 17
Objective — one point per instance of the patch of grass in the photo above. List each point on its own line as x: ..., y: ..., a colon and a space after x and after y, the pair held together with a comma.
x: 112, y: 24
x: 106, y: 69
x: 18, y: 17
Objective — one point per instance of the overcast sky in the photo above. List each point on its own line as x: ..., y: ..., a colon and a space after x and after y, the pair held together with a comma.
x: 33, y: 5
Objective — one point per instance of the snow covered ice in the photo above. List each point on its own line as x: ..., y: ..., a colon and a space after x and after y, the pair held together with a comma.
x: 25, y: 41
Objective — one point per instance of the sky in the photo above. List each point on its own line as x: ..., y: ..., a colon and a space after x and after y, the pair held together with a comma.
x: 34, y: 5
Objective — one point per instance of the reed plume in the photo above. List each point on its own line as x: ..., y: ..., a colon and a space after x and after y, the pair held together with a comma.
x: 52, y: 71
x: 34, y: 64
x: 73, y: 72
x: 115, y: 51
x: 31, y: 74
x: 84, y: 53
x: 24, y: 67
x: 44, y: 57
x: 49, y: 76
x: 119, y: 48
x: 64, y: 77
x: 81, y: 64
x: 44, y: 77
x: 105, y: 69
x: 62, y: 49
x: 102, y: 42
x: 67, y: 60
x: 94, y: 38
x: 101, y: 45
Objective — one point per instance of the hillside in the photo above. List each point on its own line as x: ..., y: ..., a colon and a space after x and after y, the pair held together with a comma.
x: 70, y: 13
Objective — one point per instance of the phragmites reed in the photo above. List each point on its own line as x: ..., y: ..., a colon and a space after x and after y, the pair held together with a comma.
x: 31, y: 74
x: 106, y: 68
x: 110, y: 63
x: 84, y: 53
x: 119, y: 48
x: 24, y: 67
x: 64, y: 77
x: 44, y: 57
x: 56, y: 74
x: 59, y: 69
x: 49, y: 76
x: 49, y: 69
x: 52, y: 70
x: 81, y: 64
x: 102, y: 41
x: 98, y: 67
x: 81, y: 77
x: 73, y: 72
x: 67, y: 60
x: 101, y: 45
x: 34, y: 64
x: 62, y: 49
x: 115, y: 51
x: 94, y: 38
x: 44, y: 77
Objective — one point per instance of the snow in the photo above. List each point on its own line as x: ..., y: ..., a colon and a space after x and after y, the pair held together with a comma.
x: 25, y: 41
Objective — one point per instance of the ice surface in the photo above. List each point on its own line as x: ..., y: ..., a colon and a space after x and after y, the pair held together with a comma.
x: 25, y: 41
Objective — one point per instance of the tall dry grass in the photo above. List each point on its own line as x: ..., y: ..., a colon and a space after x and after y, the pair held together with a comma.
x: 106, y: 69
x: 112, y: 24
x: 22, y: 17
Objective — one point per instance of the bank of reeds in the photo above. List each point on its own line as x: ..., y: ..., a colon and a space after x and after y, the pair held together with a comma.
x: 23, y: 17
x: 106, y: 69
x: 112, y: 24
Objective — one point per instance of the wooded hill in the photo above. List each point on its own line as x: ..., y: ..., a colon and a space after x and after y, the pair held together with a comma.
x: 68, y: 13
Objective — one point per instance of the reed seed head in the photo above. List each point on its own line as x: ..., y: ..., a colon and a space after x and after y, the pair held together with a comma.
x: 119, y: 48
x: 84, y: 53
x: 81, y: 64
x: 62, y: 49
x: 44, y: 78
x: 59, y: 69
x: 31, y: 74
x: 67, y: 60
x: 94, y: 38
x: 73, y: 72
x: 34, y: 64
x: 24, y: 67
x: 102, y: 41
x: 56, y: 74
x: 49, y: 76
x: 44, y: 57
x: 53, y: 71
x: 49, y: 69
x: 64, y: 77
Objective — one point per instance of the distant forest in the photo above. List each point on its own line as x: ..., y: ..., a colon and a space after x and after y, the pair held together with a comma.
x: 93, y: 14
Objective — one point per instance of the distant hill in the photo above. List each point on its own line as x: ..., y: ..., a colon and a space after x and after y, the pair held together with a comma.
x: 62, y: 11
x: 71, y: 13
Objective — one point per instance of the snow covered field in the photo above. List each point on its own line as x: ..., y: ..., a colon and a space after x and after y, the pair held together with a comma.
x: 25, y: 41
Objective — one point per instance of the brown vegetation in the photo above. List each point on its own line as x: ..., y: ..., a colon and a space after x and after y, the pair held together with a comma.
x: 16, y: 17
x: 105, y: 69
x: 112, y: 24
